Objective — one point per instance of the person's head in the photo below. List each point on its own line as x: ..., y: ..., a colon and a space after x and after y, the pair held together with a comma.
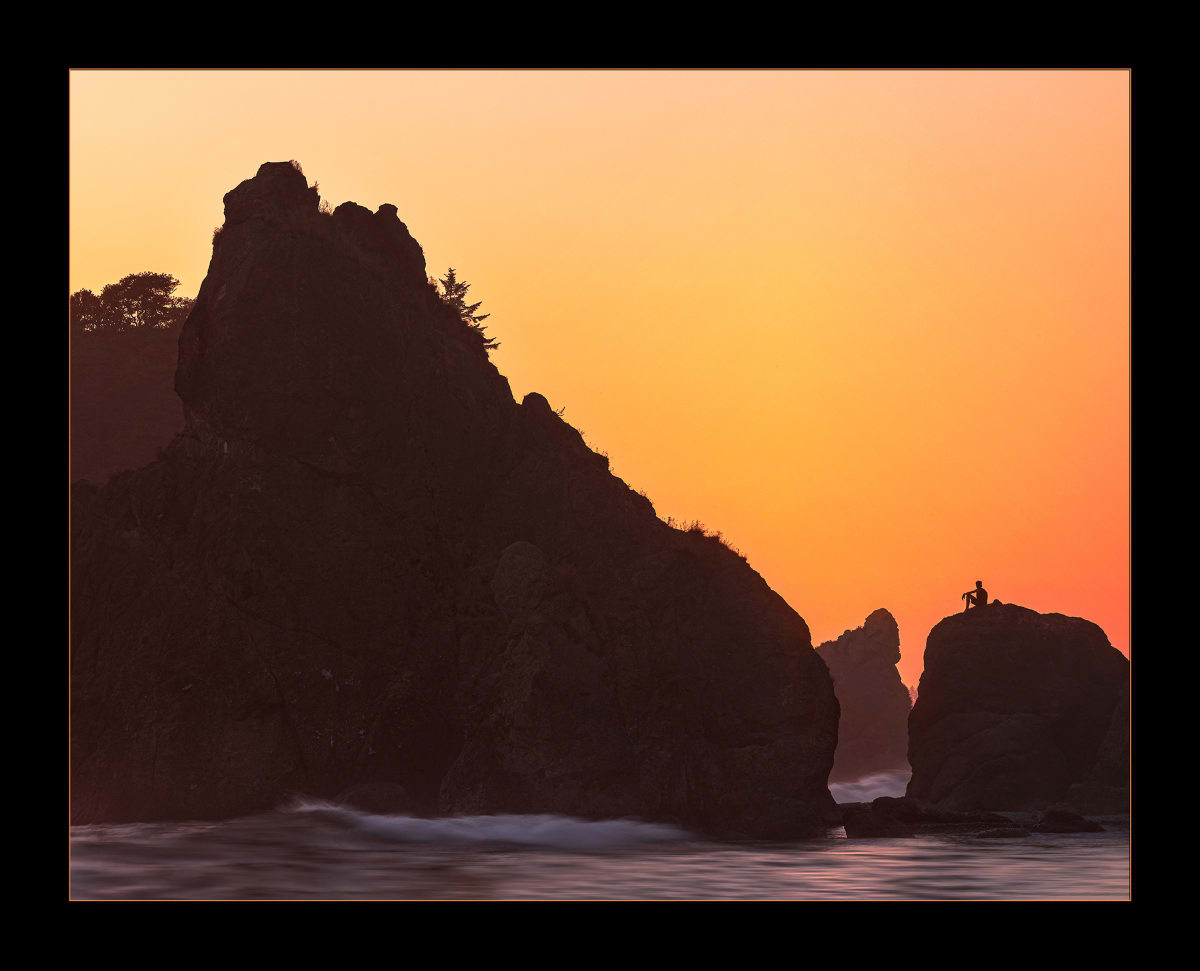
x: 979, y: 583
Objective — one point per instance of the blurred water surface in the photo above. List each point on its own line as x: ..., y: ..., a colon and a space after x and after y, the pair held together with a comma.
x: 318, y: 851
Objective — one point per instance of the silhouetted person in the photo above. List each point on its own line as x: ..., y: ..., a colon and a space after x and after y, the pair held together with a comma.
x: 976, y: 597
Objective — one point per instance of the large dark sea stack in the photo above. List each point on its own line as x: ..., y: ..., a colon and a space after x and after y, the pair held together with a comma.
x: 873, y: 730
x: 363, y: 567
x: 1014, y: 708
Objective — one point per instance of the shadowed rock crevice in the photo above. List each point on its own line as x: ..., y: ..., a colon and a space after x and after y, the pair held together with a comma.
x: 363, y: 568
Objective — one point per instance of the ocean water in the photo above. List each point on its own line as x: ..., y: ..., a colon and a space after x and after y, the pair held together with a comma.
x: 314, y: 850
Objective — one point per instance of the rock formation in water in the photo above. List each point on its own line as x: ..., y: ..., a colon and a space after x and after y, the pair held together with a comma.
x: 1014, y: 709
x: 888, y: 816
x: 873, y: 729
x: 1064, y: 821
x: 123, y: 406
x: 362, y: 568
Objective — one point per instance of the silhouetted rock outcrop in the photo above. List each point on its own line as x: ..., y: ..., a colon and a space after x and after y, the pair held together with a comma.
x: 873, y: 729
x: 123, y: 406
x: 1013, y: 708
x: 363, y: 564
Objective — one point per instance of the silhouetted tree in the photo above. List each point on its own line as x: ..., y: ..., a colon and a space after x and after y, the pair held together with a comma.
x: 138, y: 300
x: 454, y: 293
x: 87, y: 312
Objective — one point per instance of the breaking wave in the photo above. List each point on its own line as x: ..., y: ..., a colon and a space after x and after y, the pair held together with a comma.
x: 557, y: 832
x: 871, y: 787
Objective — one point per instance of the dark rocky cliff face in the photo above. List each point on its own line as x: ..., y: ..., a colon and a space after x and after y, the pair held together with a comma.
x: 123, y: 409
x: 873, y: 730
x: 1014, y: 708
x: 362, y: 564
x: 1105, y: 789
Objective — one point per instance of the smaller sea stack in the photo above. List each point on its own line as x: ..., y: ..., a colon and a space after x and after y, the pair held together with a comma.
x: 1016, y: 708
x: 873, y: 729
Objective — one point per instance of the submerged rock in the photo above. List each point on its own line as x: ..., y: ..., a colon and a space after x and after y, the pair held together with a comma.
x: 873, y: 728
x: 362, y: 563
x: 1065, y: 821
x: 860, y: 820
x: 906, y: 816
x: 1014, y: 707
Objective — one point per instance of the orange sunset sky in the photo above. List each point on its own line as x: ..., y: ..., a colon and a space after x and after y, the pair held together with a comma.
x: 873, y: 326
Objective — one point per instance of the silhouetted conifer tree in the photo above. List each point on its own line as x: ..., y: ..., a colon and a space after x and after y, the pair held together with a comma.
x: 454, y: 293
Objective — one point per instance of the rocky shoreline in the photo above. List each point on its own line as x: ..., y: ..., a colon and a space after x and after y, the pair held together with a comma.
x: 891, y: 817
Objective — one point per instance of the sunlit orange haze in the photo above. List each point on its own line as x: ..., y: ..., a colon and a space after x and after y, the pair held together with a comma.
x: 873, y: 326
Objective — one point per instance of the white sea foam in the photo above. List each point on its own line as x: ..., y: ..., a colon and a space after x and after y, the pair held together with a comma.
x: 871, y: 787
x: 556, y: 832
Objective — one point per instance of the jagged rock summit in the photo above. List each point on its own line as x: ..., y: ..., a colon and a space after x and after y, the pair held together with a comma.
x: 1015, y: 709
x: 362, y: 567
x: 873, y: 730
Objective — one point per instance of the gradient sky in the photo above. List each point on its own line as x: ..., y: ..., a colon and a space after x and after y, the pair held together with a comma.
x: 873, y: 326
